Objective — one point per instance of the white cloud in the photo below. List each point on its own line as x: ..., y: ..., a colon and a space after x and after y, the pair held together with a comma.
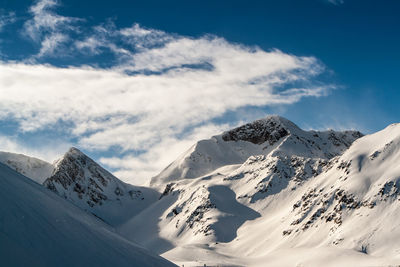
x: 107, y: 108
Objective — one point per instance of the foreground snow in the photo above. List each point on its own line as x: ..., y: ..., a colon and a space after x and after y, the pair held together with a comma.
x: 38, y: 228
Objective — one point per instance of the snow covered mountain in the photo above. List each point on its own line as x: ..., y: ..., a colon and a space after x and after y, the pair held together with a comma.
x: 38, y: 228
x: 269, y: 193
x: 36, y: 169
x: 82, y: 181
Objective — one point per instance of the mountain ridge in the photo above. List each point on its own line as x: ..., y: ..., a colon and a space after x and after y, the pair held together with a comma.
x: 34, y: 168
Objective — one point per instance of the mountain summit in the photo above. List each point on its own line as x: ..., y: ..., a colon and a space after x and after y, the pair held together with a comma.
x: 270, y: 130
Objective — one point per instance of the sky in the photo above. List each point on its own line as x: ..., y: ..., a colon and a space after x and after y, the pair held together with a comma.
x: 134, y: 84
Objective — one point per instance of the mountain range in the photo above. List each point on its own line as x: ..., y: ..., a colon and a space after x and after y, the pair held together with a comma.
x: 264, y: 194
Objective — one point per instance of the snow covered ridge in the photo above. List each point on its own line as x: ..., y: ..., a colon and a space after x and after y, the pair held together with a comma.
x: 36, y: 169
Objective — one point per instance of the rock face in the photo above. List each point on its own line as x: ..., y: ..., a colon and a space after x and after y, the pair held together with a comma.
x: 76, y: 174
x: 260, y: 131
x: 85, y: 183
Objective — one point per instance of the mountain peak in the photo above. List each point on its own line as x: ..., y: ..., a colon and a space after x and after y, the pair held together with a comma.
x: 271, y: 129
x: 73, y: 151
x: 85, y: 183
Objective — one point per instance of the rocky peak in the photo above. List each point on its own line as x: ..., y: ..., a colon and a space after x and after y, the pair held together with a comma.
x: 80, y: 173
x: 271, y: 129
x: 85, y: 183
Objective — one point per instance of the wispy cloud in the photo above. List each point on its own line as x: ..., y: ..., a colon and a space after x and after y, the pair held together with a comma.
x: 6, y: 19
x: 336, y: 2
x: 162, y: 93
x: 51, y: 42
x: 47, y: 27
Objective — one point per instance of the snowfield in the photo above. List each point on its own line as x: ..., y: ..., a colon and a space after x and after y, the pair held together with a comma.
x: 263, y: 194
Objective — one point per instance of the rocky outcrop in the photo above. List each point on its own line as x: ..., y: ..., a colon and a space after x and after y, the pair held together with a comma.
x: 260, y: 131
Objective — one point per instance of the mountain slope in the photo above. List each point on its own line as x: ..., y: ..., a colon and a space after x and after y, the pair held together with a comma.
x: 37, y: 228
x: 346, y: 214
x: 80, y: 180
x: 36, y: 169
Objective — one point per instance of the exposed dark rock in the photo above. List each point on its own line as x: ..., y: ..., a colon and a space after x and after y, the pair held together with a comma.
x: 258, y: 132
x: 168, y: 189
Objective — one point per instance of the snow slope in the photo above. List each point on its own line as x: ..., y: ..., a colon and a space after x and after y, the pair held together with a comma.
x: 36, y: 169
x: 38, y: 228
x: 347, y: 215
x: 271, y: 194
x: 82, y: 181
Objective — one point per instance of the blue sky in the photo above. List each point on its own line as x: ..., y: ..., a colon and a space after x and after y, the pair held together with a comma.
x: 155, y: 65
